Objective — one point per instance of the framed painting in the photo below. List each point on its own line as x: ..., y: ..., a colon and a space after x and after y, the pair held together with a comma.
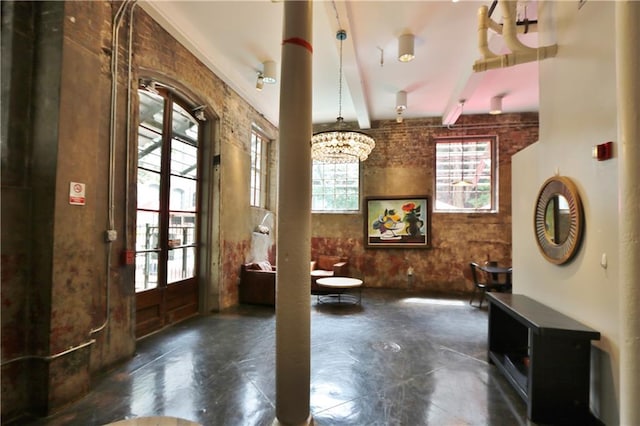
x: 397, y: 222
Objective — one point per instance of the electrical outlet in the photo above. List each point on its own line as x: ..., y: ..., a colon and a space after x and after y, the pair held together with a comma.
x: 111, y: 235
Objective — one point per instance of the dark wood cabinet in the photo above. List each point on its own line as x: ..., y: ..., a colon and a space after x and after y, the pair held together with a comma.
x: 544, y: 354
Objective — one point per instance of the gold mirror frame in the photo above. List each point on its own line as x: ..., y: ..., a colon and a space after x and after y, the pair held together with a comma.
x: 563, y: 252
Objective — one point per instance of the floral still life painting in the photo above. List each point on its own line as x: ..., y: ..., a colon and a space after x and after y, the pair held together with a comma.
x: 401, y: 222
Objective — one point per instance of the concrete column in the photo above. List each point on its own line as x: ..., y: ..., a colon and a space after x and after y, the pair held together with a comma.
x: 293, y: 299
x: 628, y: 104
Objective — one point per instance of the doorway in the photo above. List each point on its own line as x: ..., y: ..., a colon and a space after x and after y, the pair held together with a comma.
x: 166, y: 258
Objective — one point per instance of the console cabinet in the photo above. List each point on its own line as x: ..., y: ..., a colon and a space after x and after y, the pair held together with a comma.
x: 544, y: 354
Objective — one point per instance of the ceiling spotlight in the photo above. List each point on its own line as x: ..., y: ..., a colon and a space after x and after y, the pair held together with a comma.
x: 405, y: 48
x: 260, y: 82
x: 269, y: 72
x: 496, y: 105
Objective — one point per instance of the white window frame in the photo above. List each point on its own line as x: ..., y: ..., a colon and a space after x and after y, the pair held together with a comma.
x: 326, y: 190
x: 463, y: 178
x: 259, y: 174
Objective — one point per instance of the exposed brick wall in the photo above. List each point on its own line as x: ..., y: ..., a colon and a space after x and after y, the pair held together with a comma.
x: 51, y: 309
x: 69, y: 299
x: 402, y: 163
x: 159, y: 55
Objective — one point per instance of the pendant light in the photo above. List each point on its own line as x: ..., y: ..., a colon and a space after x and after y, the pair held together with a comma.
x: 462, y: 182
x: 401, y: 105
x: 341, y: 145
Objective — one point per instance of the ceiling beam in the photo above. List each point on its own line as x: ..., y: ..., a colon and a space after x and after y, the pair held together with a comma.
x: 468, y: 83
x: 350, y: 66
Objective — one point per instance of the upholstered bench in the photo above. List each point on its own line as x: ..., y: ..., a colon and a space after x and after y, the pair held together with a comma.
x: 258, y: 283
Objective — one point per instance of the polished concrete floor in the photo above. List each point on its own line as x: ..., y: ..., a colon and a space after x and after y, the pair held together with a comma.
x: 397, y: 359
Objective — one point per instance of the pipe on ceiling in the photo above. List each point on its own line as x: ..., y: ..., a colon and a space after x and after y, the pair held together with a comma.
x: 509, y: 28
x: 520, y: 53
x: 483, y: 26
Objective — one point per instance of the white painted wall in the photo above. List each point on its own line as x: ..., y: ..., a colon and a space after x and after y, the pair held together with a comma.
x: 577, y: 111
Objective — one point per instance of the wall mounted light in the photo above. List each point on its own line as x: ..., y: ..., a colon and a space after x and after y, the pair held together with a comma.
x: 406, y: 47
x: 149, y: 85
x: 198, y: 113
x: 269, y: 72
x: 496, y: 105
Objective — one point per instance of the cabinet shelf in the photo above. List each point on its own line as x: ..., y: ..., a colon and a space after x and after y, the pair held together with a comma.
x: 543, y: 354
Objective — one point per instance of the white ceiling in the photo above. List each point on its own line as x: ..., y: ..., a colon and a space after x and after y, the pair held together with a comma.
x: 233, y: 38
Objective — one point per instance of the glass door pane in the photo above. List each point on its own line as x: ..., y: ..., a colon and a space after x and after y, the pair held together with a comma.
x: 183, y: 196
x: 147, y: 248
x: 149, y: 177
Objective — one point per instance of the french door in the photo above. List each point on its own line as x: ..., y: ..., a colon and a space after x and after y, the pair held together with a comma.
x: 166, y: 212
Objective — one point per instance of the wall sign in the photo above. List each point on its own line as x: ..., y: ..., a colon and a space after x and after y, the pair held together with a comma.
x: 76, y: 194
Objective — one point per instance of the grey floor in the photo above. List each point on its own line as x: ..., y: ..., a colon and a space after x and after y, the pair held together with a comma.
x: 397, y: 359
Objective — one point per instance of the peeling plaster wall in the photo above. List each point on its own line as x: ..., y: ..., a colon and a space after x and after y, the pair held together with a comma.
x: 158, y: 55
x: 54, y: 257
x: 234, y: 202
x: 403, y: 163
x: 54, y: 282
x: 17, y: 36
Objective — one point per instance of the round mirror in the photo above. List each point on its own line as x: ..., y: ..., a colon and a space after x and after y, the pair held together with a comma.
x: 558, y: 219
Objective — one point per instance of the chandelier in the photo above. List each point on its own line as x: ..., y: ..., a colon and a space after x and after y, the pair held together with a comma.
x: 341, y: 145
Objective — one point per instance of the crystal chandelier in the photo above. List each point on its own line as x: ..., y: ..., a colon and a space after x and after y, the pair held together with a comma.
x: 341, y: 145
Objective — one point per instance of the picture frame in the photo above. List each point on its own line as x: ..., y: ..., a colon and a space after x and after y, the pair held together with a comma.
x: 398, y: 222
